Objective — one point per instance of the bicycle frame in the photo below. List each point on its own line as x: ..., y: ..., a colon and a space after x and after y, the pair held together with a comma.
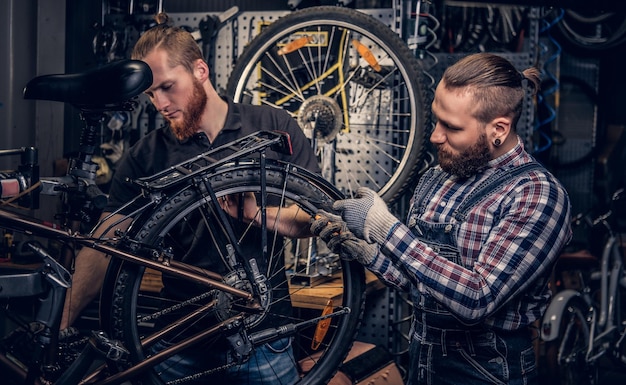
x: 179, y: 174
x: 604, y: 320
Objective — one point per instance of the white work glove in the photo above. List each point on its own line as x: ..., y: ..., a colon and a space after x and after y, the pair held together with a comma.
x: 367, y: 215
x: 333, y: 230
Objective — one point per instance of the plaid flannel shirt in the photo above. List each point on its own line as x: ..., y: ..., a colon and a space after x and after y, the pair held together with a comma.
x: 507, y: 245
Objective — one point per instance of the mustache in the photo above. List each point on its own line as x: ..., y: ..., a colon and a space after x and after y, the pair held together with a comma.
x: 441, y: 150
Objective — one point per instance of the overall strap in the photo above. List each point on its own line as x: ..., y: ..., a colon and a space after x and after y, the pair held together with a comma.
x: 428, y: 182
x: 492, y: 185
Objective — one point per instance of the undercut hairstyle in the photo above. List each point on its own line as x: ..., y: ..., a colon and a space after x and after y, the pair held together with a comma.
x: 497, y: 87
x: 181, y: 47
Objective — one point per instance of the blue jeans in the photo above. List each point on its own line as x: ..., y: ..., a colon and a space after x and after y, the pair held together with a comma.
x: 271, y: 363
x: 455, y: 357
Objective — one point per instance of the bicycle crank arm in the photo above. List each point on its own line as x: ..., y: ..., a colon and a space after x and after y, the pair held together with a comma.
x: 271, y: 334
x: 231, y: 324
x: 99, y: 346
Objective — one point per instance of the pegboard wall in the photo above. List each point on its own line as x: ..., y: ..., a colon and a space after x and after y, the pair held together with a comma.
x: 387, y: 321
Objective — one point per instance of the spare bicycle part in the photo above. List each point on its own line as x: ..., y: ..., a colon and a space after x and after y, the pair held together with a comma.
x: 354, y: 87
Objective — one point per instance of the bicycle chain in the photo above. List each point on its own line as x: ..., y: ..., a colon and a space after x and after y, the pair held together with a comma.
x: 197, y: 376
x: 170, y: 309
x: 78, y: 343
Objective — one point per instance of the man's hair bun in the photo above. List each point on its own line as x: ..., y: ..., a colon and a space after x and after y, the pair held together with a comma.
x: 162, y: 18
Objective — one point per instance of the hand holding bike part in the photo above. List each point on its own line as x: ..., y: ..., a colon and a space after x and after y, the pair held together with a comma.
x: 333, y: 230
x: 367, y: 215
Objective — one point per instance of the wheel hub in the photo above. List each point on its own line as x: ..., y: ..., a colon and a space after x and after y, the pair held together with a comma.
x: 226, y: 303
x: 321, y: 117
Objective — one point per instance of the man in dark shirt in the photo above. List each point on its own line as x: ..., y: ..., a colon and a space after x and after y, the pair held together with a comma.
x: 198, y: 120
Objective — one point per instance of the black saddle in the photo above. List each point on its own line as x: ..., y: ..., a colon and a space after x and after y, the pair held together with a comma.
x: 108, y: 87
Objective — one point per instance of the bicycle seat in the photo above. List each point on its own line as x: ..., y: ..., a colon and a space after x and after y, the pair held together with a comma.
x: 108, y: 87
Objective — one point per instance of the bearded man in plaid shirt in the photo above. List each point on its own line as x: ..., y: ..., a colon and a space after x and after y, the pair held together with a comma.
x: 483, y: 230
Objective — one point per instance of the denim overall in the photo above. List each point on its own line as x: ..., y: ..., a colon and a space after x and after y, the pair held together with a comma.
x: 442, y: 349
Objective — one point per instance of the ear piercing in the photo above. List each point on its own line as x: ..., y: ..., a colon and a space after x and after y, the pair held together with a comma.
x: 497, y: 142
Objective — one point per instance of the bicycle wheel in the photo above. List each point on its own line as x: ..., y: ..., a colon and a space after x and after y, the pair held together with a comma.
x: 566, y: 355
x: 353, y: 86
x: 183, y: 225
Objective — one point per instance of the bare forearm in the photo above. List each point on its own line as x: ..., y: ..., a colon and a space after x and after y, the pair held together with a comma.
x: 288, y: 221
x: 90, y: 269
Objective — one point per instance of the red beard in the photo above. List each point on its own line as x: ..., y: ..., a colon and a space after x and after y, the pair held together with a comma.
x: 192, y: 115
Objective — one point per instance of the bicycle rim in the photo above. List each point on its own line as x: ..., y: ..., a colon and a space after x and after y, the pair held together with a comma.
x: 354, y: 87
x: 138, y: 307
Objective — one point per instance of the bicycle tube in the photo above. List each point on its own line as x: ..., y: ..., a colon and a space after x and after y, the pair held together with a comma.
x: 354, y: 87
x: 130, y: 300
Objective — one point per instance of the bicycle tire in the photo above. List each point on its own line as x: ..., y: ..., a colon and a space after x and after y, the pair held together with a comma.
x: 370, y: 123
x: 565, y: 356
x: 129, y: 302
x: 591, y: 32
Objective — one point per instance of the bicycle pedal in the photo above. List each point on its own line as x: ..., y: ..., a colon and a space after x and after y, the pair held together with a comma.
x: 112, y: 350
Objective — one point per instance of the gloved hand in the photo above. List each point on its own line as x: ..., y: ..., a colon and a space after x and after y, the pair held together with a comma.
x: 367, y: 215
x: 333, y: 230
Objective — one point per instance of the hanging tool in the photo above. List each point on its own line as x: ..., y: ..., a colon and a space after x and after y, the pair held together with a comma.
x: 209, y: 29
